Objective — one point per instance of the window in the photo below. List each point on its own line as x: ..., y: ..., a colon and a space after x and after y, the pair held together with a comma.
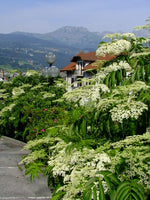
x: 81, y: 62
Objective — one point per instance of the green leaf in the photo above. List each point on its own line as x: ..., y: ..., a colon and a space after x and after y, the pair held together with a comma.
x: 87, y: 195
x: 130, y: 190
x: 94, y: 193
x: 58, y: 195
x: 125, y: 195
x: 112, y: 177
x: 90, y: 183
x: 33, y: 169
x: 136, y: 197
x: 121, y: 188
x: 113, y: 195
x: 101, y: 191
x: 83, y: 127
x: 138, y: 191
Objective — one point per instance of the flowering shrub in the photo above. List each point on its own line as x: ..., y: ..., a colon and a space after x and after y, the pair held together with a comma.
x: 86, y: 95
x: 127, y: 110
x: 81, y: 135
x: 115, y: 48
x: 23, y: 110
x: 31, y: 73
x: 128, y: 158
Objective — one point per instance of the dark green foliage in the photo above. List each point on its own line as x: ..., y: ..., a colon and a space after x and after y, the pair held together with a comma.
x: 67, y: 127
x: 117, y: 190
x: 28, y: 115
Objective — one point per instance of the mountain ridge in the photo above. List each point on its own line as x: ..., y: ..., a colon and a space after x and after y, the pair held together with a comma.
x: 27, y: 50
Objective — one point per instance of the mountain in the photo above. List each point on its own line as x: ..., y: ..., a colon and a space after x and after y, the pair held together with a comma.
x: 81, y: 37
x: 75, y: 36
x: 27, y: 50
x: 22, y: 51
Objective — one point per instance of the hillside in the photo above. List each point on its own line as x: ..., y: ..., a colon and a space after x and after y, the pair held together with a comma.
x: 24, y: 51
x: 21, y: 50
x: 75, y: 36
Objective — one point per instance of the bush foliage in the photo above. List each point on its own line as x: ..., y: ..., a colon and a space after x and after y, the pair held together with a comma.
x: 91, y: 142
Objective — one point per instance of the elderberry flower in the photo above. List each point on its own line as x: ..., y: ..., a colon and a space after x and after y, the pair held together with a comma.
x: 113, y: 48
x: 127, y: 110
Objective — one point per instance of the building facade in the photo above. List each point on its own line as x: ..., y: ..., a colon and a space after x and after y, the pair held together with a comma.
x: 82, y: 65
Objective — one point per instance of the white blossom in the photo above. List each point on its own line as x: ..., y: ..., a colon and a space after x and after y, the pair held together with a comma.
x: 31, y: 73
x: 17, y: 91
x: 48, y: 95
x: 113, y: 48
x: 127, y: 110
x: 7, y: 108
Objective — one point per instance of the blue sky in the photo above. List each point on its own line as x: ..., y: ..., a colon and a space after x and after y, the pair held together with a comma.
x: 43, y: 16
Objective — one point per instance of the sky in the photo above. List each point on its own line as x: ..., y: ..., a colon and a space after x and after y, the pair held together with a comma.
x: 43, y: 16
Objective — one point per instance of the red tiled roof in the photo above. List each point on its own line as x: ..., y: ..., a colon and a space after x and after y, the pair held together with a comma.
x: 105, y: 58
x: 90, y: 66
x: 91, y: 56
x: 69, y: 67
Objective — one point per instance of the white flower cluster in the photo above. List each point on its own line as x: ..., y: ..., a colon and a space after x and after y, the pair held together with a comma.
x: 106, y: 103
x: 126, y: 36
x: 7, y: 108
x: 60, y: 84
x: 35, y: 155
x: 140, y: 54
x: 128, y: 110
x: 31, y: 73
x: 17, y: 91
x: 36, y: 87
x: 26, y: 86
x: 2, y: 90
x: 88, y: 94
x: 117, y: 66
x: 136, y: 154
x: 12, y: 118
x: 39, y: 142
x: 77, y: 167
x: 104, y: 88
x: 132, y: 89
x: 4, y: 96
x: 132, y: 140
x: 47, y: 95
x: 100, y: 76
x: 113, y: 48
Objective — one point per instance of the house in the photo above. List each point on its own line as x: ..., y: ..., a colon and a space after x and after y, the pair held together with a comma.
x: 83, y: 65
